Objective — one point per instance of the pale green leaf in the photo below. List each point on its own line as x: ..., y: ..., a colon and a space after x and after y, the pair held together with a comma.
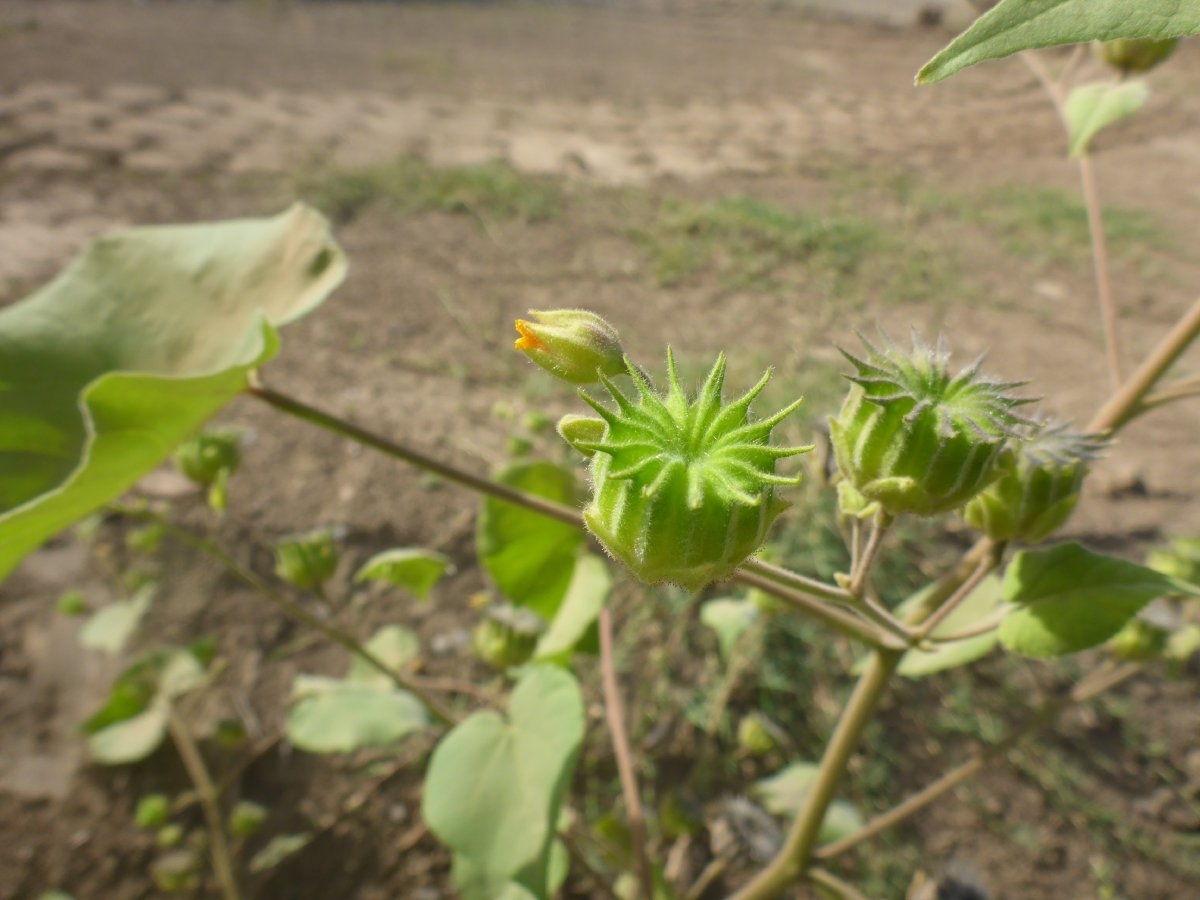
x: 529, y: 556
x: 350, y: 715
x: 392, y: 645
x: 111, y: 627
x: 729, y: 618
x: 495, y: 784
x: 132, y: 348
x: 589, y: 589
x: 1092, y: 107
x: 783, y: 795
x: 130, y: 740
x: 1069, y: 599
x: 413, y: 569
x: 981, y: 604
x: 1015, y: 25
x: 278, y: 849
x: 181, y: 673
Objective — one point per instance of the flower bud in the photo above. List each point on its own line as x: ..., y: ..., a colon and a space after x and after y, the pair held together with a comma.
x: 1038, y: 487
x: 916, y: 439
x: 573, y: 344
x: 1129, y: 55
x: 246, y: 818
x: 581, y: 432
x: 153, y: 811
x: 306, y: 561
x: 206, y: 455
x: 756, y: 735
x: 507, y: 636
x: 683, y: 491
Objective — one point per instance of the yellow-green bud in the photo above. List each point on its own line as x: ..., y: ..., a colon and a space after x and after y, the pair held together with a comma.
x: 152, y: 811
x: 308, y: 560
x: 573, y: 344
x: 246, y: 818
x: 914, y: 438
x: 1038, y: 488
x: 683, y: 490
x: 756, y: 735
x: 507, y: 636
x: 1129, y: 55
x: 206, y: 455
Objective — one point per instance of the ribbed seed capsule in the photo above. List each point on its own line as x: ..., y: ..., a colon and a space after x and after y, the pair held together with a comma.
x: 683, y: 491
x: 1129, y: 55
x: 916, y: 439
x: 1038, y: 488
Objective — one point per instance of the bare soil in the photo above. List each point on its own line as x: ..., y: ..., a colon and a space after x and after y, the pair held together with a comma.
x: 114, y: 113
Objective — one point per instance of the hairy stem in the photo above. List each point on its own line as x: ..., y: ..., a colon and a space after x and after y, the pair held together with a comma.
x: 620, y: 743
x: 193, y: 762
x: 986, y: 565
x: 838, y: 619
x: 1103, y: 679
x: 792, y: 860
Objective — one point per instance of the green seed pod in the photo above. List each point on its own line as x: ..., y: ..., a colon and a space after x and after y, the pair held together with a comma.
x: 573, y: 344
x: 308, y: 560
x: 246, y: 818
x: 205, y: 456
x: 1129, y: 55
x: 1038, y: 488
x: 684, y: 491
x: 916, y: 439
x: 507, y: 636
x: 152, y: 811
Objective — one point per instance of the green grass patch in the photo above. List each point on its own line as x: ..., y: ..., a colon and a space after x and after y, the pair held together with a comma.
x: 407, y: 186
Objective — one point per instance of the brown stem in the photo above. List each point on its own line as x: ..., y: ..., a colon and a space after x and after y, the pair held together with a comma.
x: 193, y: 762
x: 1099, y: 681
x: 620, y: 744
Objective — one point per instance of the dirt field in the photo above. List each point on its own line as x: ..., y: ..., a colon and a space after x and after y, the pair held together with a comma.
x: 629, y: 161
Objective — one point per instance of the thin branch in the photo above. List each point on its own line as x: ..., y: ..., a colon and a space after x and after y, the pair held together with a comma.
x: 1178, y: 390
x: 838, y: 619
x: 1103, y: 679
x: 620, y: 745
x: 860, y: 573
x: 796, y: 581
x: 829, y: 881
x: 986, y: 565
x: 991, y: 623
x: 193, y: 762
x: 290, y: 608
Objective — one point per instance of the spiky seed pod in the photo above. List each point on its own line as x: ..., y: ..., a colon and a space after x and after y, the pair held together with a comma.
x: 1129, y: 55
x: 507, y: 636
x: 916, y: 439
x: 1038, y: 488
x: 684, y: 491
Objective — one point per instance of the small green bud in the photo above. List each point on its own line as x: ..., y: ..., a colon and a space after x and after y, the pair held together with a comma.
x: 573, y: 344
x: 581, y: 432
x: 1038, y: 488
x: 1129, y: 55
x: 1139, y: 641
x: 205, y: 456
x: 306, y: 560
x: 507, y: 636
x: 246, y: 818
x: 72, y: 603
x: 684, y: 491
x: 916, y: 439
x: 756, y: 736
x: 176, y: 872
x: 152, y: 811
x: 169, y: 836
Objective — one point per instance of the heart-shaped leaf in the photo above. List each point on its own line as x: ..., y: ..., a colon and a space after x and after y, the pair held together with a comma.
x: 1015, y: 25
x: 132, y: 348
x: 495, y: 784
x: 530, y: 557
x: 1092, y: 107
x: 413, y: 569
x: 1069, y: 599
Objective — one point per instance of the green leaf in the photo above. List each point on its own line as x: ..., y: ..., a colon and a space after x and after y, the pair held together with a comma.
x: 730, y: 618
x: 278, y: 849
x: 783, y: 794
x: 111, y: 627
x: 530, y: 557
x: 495, y: 784
x: 334, y: 716
x: 589, y: 588
x: 393, y: 646
x: 132, y: 348
x: 980, y: 604
x: 131, y: 740
x: 413, y: 569
x: 1015, y: 25
x: 1070, y: 599
x: 1092, y: 107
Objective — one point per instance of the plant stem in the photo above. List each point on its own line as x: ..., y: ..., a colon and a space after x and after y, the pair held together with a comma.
x: 802, y: 583
x: 792, y: 860
x: 1103, y: 679
x: 831, y: 882
x: 620, y: 744
x: 289, y: 607
x: 1178, y: 390
x: 862, y: 571
x: 198, y: 773
x: 939, y: 615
